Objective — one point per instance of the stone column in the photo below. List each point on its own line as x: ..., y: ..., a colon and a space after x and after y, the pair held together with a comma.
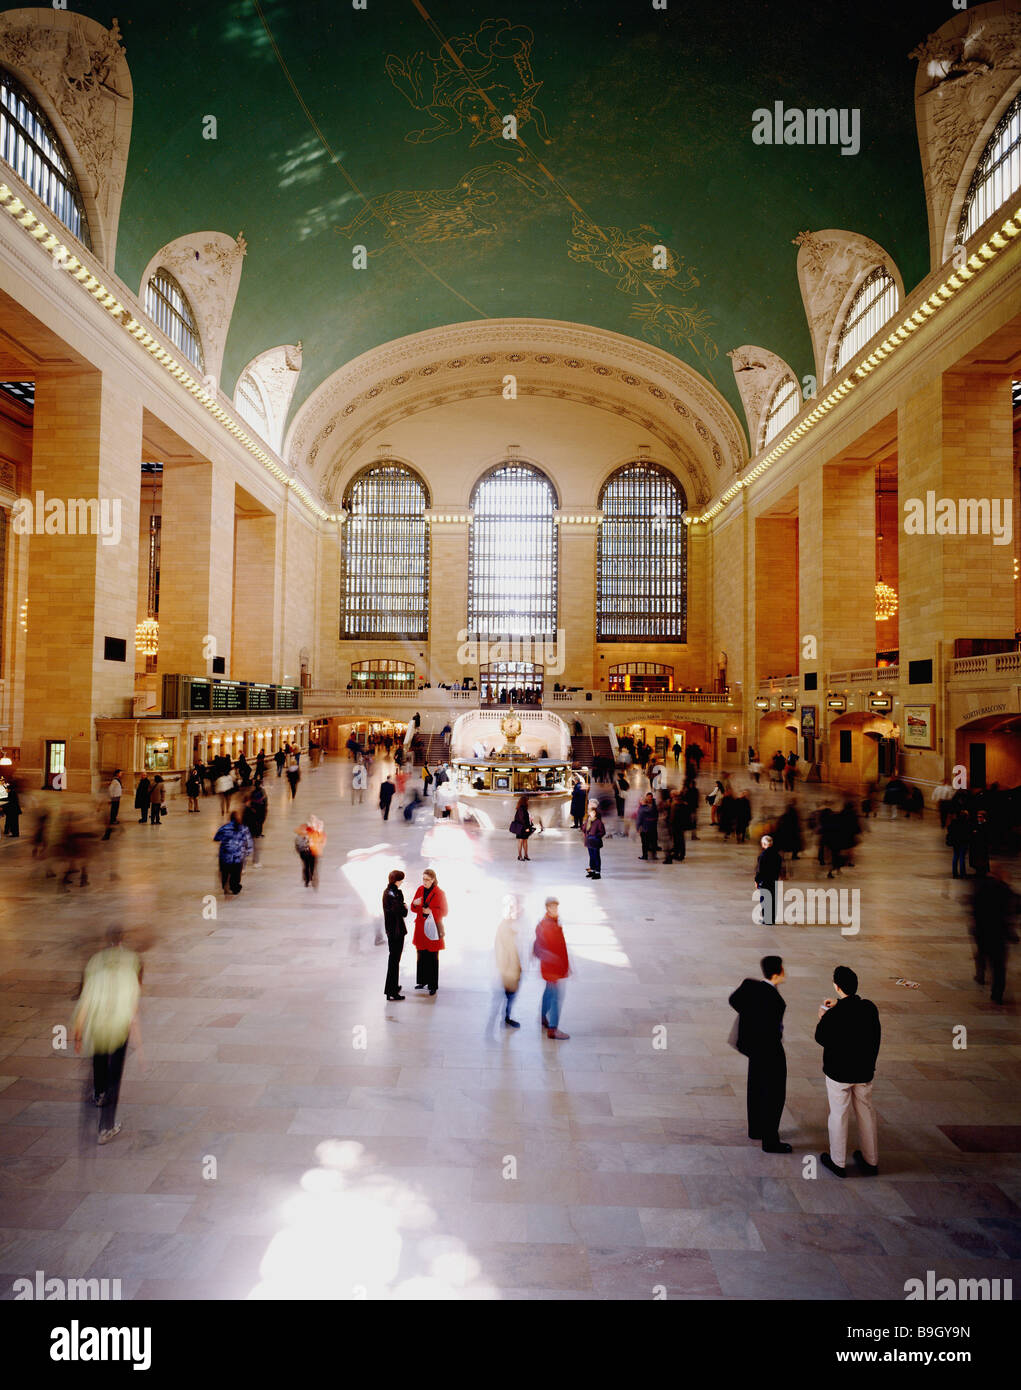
x: 196, y: 568
x: 254, y: 632
x: 576, y: 605
x: 83, y: 569
x: 955, y: 441
x: 836, y: 579
x: 448, y: 600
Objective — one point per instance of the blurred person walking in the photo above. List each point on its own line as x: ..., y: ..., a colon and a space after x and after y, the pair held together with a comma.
x: 293, y: 773
x: 648, y: 823
x: 993, y: 905
x: 507, y: 948
x: 115, y: 791
x: 386, y: 795
x: 551, y: 950
x: 224, y: 788
x: 12, y: 812
x: 359, y: 781
x: 310, y: 841
x: 193, y: 789
x: 236, y: 846
x: 849, y: 1034
x: 105, y: 1020
x: 760, y: 1009
x: 430, y: 908
x: 394, y: 912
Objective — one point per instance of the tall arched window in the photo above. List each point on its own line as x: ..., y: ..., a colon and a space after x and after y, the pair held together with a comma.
x: 30, y: 146
x: 784, y: 405
x: 384, y: 581
x: 998, y: 174
x: 167, y: 305
x: 512, y: 555
x: 249, y: 401
x: 876, y: 301
x: 642, y: 561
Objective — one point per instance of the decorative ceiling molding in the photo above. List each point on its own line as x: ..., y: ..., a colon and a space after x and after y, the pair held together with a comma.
x: 831, y: 264
x: 77, y: 72
x: 757, y: 372
x: 968, y: 74
x: 207, y: 266
x: 276, y: 373
x: 336, y: 474
x: 545, y: 357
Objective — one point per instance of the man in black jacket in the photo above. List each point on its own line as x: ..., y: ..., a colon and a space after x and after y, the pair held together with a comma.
x: 394, y: 913
x: 768, y: 872
x: 386, y: 795
x: 849, y: 1034
x: 760, y: 1009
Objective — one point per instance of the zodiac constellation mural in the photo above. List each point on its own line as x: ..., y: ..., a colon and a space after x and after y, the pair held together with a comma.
x: 473, y: 82
x: 426, y: 216
x: 630, y: 257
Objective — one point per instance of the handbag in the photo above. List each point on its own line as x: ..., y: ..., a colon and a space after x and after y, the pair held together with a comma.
x: 429, y: 927
x: 732, y: 1039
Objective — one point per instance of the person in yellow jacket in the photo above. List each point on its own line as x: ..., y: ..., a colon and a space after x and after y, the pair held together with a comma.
x: 507, y: 947
x: 105, y: 1019
x: 310, y: 841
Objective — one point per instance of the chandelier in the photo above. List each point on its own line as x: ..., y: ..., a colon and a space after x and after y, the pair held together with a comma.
x: 147, y: 637
x: 886, y: 602
x: 886, y: 595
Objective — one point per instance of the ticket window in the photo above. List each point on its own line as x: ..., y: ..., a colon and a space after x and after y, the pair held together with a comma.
x: 158, y: 755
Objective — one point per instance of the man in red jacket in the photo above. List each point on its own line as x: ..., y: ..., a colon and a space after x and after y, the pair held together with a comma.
x: 551, y: 950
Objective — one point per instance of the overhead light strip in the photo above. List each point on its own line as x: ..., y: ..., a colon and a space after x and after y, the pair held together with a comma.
x: 952, y: 285
x: 64, y: 257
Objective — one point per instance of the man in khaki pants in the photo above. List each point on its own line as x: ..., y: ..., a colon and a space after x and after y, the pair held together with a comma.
x: 849, y: 1034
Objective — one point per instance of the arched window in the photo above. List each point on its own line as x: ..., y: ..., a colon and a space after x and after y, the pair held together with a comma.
x: 642, y: 560
x: 168, y: 307
x: 30, y: 146
x: 784, y: 405
x: 250, y: 404
x: 998, y: 174
x: 876, y: 301
x: 382, y: 674
x: 384, y: 581
x: 512, y: 555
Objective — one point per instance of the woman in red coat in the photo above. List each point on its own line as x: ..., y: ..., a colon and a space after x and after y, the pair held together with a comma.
x: 430, y: 908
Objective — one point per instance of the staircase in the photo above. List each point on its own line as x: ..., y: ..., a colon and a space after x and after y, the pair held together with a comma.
x: 585, y: 747
x: 435, y: 749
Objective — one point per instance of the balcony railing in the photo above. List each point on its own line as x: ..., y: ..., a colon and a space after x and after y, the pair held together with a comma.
x: 999, y: 663
x: 780, y: 685
x: 435, y: 698
x: 865, y: 675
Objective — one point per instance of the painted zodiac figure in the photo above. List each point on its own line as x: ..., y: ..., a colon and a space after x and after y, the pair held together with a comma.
x: 474, y: 82
x: 425, y: 215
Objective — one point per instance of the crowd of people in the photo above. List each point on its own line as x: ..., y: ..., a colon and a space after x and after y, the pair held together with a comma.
x: 634, y: 791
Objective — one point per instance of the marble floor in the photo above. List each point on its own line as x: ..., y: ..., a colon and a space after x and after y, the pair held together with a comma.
x: 287, y: 1133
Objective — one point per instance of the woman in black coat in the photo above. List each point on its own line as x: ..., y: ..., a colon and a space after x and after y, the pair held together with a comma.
x: 521, y: 827
x: 143, y: 794
x: 394, y: 913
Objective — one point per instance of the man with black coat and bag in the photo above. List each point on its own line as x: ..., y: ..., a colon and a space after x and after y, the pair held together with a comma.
x: 394, y: 913
x: 759, y: 1037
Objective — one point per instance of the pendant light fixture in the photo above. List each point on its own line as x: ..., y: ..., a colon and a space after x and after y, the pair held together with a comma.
x: 886, y: 596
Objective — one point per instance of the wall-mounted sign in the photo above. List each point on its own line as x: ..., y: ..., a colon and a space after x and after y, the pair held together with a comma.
x: 918, y: 726
x: 808, y: 713
x: 837, y: 702
x: 762, y: 702
x: 881, y: 702
x: 787, y: 703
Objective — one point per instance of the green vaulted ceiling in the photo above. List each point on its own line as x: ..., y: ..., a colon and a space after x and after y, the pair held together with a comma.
x: 637, y: 126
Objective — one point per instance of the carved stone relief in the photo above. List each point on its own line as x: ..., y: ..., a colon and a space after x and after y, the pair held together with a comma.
x: 77, y: 71
x: 757, y: 372
x: 830, y: 265
x: 968, y: 72
x: 276, y: 371
x: 207, y: 266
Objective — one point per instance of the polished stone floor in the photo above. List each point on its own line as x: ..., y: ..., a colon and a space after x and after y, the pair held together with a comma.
x: 287, y: 1133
